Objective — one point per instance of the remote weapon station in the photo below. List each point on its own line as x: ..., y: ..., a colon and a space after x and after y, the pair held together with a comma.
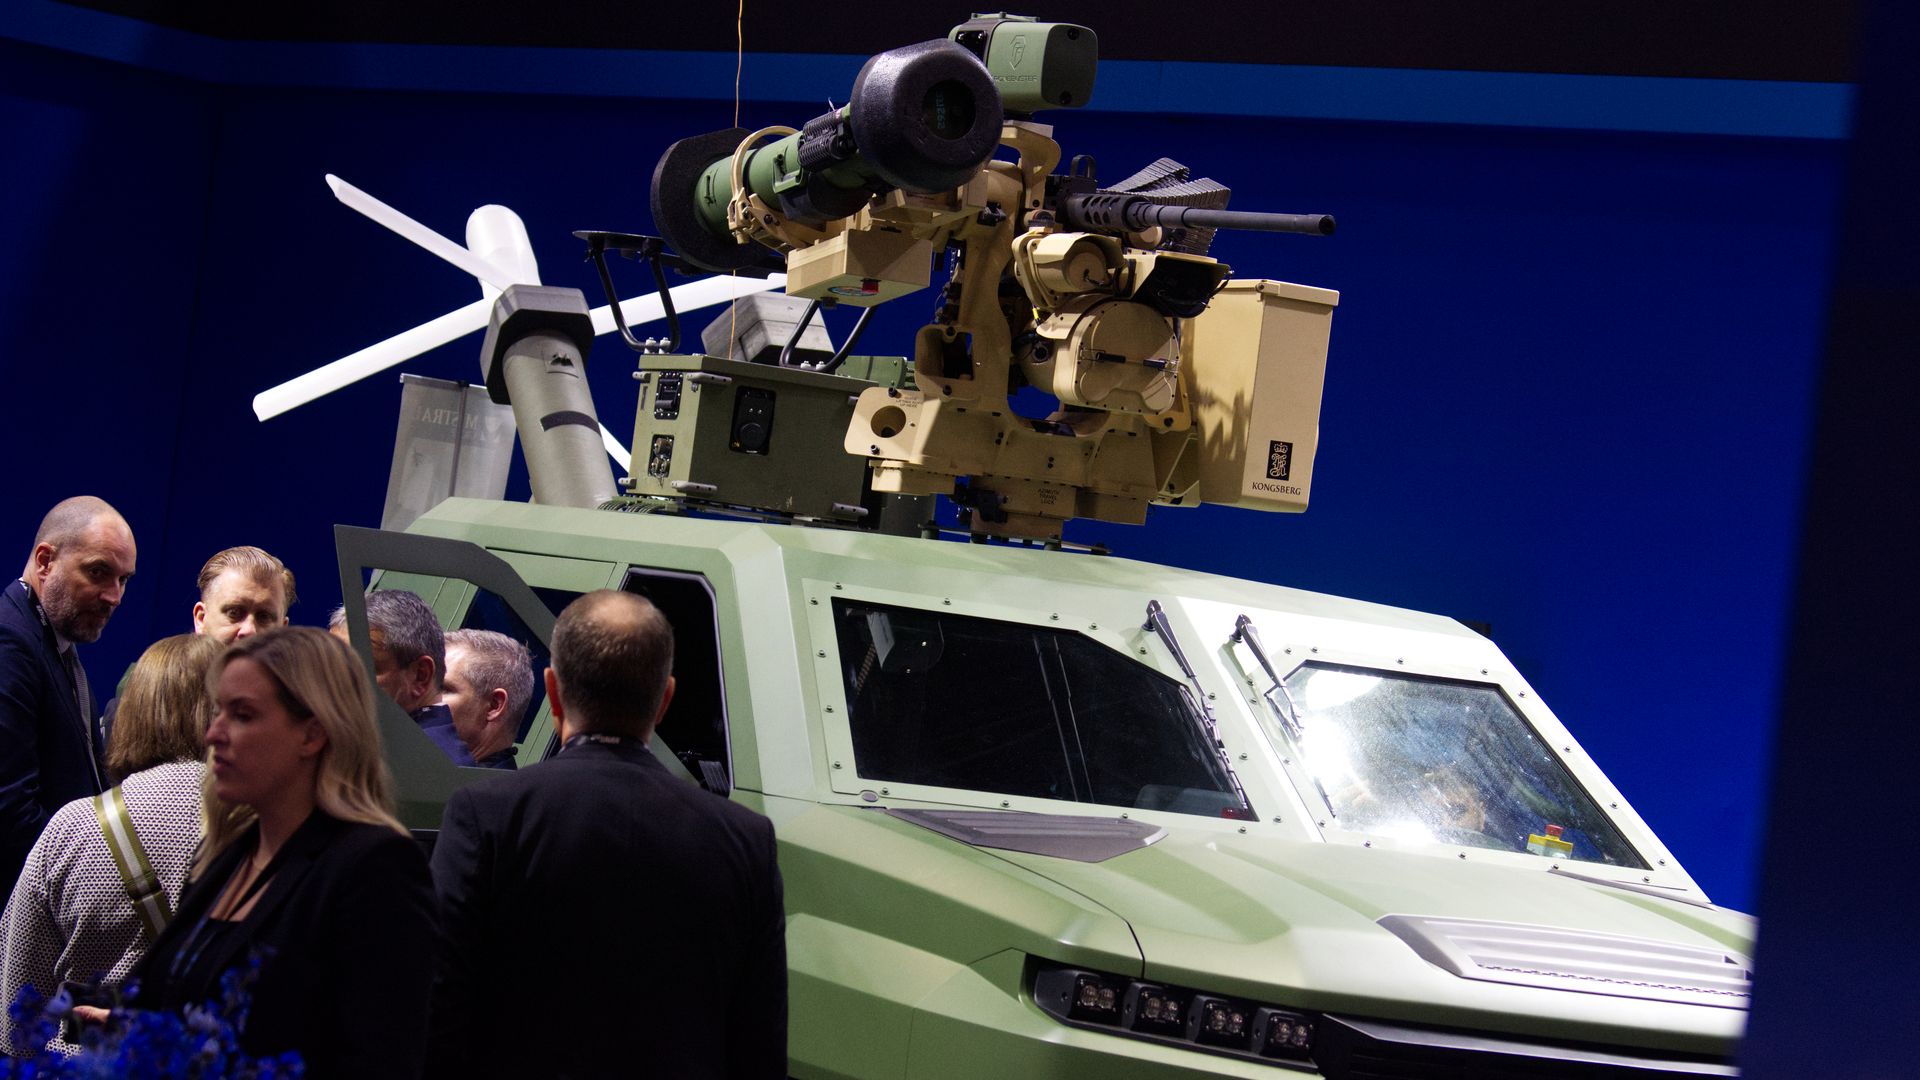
x: 1175, y: 384
x: 1042, y: 813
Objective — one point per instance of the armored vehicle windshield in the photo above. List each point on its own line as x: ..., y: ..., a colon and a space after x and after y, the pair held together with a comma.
x: 1424, y: 758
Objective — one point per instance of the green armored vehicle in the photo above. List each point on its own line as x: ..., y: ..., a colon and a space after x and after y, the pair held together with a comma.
x: 1018, y: 838
x: 1045, y: 812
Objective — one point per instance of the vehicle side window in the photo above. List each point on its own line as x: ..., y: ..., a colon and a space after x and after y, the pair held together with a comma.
x: 961, y: 702
x: 695, y: 726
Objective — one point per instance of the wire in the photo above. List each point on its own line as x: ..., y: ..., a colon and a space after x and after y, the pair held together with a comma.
x: 847, y: 346
x: 739, y: 62
x: 786, y: 351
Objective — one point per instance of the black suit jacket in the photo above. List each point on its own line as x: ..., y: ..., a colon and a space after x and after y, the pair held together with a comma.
x: 348, y: 914
x: 45, y: 759
x: 639, y: 913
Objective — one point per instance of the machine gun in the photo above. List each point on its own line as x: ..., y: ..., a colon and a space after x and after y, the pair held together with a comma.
x: 1176, y: 383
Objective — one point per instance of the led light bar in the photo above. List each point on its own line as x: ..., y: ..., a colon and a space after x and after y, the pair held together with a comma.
x: 1178, y: 1015
x: 1298, y: 1041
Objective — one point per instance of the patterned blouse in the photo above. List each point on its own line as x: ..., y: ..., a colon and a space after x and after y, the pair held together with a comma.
x: 70, y: 918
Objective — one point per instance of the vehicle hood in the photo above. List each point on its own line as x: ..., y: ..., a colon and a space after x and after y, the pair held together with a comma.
x: 1300, y: 923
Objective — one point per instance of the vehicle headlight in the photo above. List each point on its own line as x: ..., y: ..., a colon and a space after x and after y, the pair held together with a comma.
x: 1288, y: 1034
x: 1159, y: 1009
x: 1097, y: 998
x: 1156, y: 1011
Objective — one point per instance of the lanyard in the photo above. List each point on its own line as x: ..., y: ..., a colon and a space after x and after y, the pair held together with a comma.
x: 603, y: 739
x: 39, y: 612
x: 199, y: 939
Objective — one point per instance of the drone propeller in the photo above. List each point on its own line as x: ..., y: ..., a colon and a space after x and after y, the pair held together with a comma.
x: 501, y: 243
x: 353, y: 367
x: 423, y: 236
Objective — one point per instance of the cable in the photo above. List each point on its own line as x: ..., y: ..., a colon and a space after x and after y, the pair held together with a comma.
x: 739, y: 62
x: 786, y: 351
x: 847, y: 345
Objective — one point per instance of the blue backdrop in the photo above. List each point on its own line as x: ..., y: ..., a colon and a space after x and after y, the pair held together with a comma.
x: 1568, y: 393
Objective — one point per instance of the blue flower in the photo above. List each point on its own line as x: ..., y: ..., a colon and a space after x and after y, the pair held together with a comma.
x: 202, y: 1044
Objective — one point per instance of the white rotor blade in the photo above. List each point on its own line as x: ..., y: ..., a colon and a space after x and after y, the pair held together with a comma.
x: 693, y: 295
x: 374, y: 358
x: 615, y: 451
x: 419, y: 234
x: 434, y: 333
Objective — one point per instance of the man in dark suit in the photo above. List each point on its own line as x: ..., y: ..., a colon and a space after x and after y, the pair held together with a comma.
x: 601, y: 917
x: 82, y: 556
x: 409, y: 656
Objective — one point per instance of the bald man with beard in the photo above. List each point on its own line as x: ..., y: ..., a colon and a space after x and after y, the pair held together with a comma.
x: 82, y: 557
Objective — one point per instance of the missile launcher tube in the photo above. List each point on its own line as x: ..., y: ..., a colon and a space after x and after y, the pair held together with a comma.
x: 559, y: 432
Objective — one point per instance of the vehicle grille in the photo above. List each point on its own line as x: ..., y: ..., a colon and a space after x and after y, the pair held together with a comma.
x: 1348, y: 1049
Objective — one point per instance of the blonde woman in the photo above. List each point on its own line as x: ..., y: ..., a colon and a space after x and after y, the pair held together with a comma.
x: 306, y: 873
x: 70, y: 918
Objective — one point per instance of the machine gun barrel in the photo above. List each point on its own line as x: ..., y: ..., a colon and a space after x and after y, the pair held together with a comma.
x: 1117, y: 212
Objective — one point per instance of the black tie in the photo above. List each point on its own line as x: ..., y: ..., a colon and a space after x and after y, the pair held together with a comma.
x: 83, y: 695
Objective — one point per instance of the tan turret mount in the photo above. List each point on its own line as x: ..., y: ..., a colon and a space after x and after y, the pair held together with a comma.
x: 1223, y: 407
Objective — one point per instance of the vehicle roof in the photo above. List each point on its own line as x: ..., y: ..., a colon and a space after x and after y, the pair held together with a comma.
x: 584, y: 533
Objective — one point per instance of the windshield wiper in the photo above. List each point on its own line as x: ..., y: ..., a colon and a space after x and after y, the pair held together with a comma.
x: 1291, y: 722
x: 1157, y: 622
x: 1645, y: 890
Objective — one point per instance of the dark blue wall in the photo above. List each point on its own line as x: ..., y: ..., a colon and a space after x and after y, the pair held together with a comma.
x: 1568, y: 392
x: 104, y: 183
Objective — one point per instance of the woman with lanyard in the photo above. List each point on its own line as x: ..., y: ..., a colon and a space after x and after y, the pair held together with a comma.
x: 308, y: 886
